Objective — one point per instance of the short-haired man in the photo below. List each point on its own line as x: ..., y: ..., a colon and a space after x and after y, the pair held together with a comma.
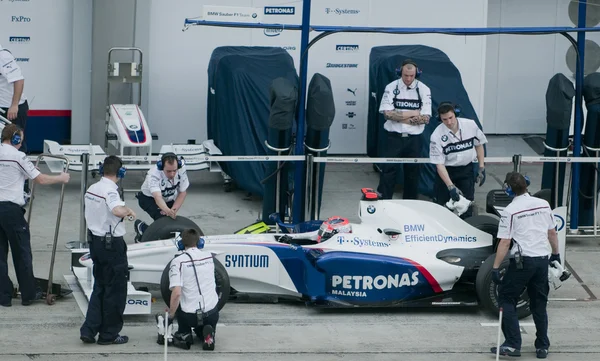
x: 526, y: 228
x: 104, y: 214
x: 193, y: 289
x: 163, y: 191
x: 13, y: 101
x: 453, y: 147
x: 406, y: 106
x: 15, y: 168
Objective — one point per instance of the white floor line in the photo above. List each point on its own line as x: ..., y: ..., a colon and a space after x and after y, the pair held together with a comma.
x: 77, y: 293
x: 562, y: 299
x: 495, y: 324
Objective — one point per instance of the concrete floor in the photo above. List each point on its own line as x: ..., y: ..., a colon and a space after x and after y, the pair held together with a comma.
x: 286, y: 330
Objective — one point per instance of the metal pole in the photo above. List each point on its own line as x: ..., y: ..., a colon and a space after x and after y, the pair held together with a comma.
x: 517, y: 163
x: 595, y: 195
x: 85, y: 160
x: 578, y: 115
x: 556, y: 178
x: 309, y: 184
x: 299, y: 197
x: 277, y: 195
x: 317, y: 177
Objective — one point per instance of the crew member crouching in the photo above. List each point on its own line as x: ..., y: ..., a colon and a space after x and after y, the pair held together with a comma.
x: 454, y: 145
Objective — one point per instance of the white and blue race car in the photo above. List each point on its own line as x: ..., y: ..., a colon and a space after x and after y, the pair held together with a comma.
x: 402, y: 253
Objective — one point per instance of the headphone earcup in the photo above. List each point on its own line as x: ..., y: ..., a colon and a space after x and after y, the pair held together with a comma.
x: 16, y: 139
x: 122, y: 172
x: 527, y: 181
x: 159, y: 165
x: 418, y: 73
x: 200, y: 243
x: 180, y: 245
x: 100, y: 168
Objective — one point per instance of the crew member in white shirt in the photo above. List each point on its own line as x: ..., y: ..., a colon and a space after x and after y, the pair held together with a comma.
x: 15, y: 168
x: 526, y: 228
x: 406, y: 106
x: 13, y: 101
x: 193, y: 289
x: 163, y: 191
x: 453, y: 147
x: 104, y: 214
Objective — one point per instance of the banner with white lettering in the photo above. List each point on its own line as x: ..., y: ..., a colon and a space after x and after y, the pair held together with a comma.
x: 38, y: 33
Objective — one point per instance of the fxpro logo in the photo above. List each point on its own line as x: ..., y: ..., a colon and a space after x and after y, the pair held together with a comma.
x: 26, y: 60
x: 246, y: 261
x: 289, y: 48
x: 280, y: 10
x: 338, y: 11
x: 338, y: 66
x: 346, y: 48
x: 20, y: 19
x: 272, y: 32
x: 355, y: 286
x: 19, y: 39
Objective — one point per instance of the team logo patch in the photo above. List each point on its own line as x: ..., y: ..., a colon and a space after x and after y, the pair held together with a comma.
x: 371, y: 209
x: 396, y: 91
x: 444, y: 138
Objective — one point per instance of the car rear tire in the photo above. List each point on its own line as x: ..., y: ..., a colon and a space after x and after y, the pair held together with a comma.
x: 486, y: 223
x: 165, y: 227
x: 221, y: 278
x: 487, y: 290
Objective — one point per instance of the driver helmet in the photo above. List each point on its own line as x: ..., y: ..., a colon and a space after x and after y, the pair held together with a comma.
x: 333, y: 225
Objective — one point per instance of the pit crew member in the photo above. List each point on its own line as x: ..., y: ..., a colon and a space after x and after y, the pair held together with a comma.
x: 12, y: 98
x: 163, y: 191
x: 15, y: 167
x: 193, y: 293
x: 453, y: 147
x: 104, y: 214
x: 406, y: 106
x: 526, y: 226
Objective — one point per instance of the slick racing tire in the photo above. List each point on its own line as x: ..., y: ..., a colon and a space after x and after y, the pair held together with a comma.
x: 163, y: 228
x: 487, y: 290
x: 545, y: 194
x: 221, y: 278
x: 486, y: 223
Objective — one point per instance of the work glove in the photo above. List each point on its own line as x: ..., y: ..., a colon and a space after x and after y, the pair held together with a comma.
x: 554, y: 257
x: 480, y: 177
x: 496, y: 276
x: 455, y: 193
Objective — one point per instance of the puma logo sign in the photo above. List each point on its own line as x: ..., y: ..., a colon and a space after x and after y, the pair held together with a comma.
x: 353, y: 91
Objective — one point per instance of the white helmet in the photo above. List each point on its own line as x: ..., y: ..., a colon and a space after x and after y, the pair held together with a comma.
x: 332, y: 226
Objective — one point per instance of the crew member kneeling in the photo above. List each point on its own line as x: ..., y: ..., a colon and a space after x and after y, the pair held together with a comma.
x: 526, y: 226
x: 454, y: 145
x: 104, y: 214
x: 163, y: 191
x: 194, y: 296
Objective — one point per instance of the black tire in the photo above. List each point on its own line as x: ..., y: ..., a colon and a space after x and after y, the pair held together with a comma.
x: 163, y: 228
x: 487, y: 290
x: 221, y: 278
x: 545, y: 194
x: 486, y: 223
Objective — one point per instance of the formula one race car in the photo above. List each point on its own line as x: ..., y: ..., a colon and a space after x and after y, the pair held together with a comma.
x: 402, y: 253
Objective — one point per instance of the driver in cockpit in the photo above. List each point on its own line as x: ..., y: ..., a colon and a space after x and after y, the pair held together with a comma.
x: 332, y: 226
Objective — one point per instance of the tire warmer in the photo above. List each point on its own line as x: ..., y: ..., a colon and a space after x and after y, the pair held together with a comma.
x: 320, y: 112
x: 559, y: 105
x: 284, y: 99
x: 591, y: 142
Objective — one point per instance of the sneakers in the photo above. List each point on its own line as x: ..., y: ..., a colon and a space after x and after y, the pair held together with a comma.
x: 119, y: 340
x: 541, y: 353
x: 183, y: 340
x: 87, y: 339
x: 507, y: 351
x: 208, y: 337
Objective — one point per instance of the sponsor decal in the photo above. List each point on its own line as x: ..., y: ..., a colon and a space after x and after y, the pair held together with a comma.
x: 231, y: 13
x: 459, y: 146
x: 338, y: 11
x: 272, y: 32
x: 359, y: 242
x: 355, y: 286
x: 19, y: 39
x: 439, y: 238
x: 348, y: 126
x: 351, y: 103
x: 280, y: 10
x: 351, y: 115
x: 20, y: 19
x: 407, y: 104
x: 444, y: 138
x: 16, y: 1
x: 353, y: 91
x: 371, y: 209
x: 333, y: 65
x: 137, y: 302
x: 246, y: 261
x: 560, y: 222
x: 346, y: 48
x: 289, y: 48
x: 22, y: 60
x: 414, y: 228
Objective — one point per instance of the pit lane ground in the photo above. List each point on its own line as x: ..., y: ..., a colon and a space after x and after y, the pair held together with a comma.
x: 263, y: 329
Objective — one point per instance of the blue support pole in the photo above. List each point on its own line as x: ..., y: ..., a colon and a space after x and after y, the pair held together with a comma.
x: 299, y: 174
x: 575, y: 168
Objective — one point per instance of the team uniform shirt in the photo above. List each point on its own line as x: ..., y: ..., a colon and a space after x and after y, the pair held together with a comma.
x: 181, y: 274
x: 527, y: 220
x: 10, y: 72
x: 398, y: 96
x: 100, y: 199
x: 157, y: 181
x: 458, y: 149
x: 15, y: 168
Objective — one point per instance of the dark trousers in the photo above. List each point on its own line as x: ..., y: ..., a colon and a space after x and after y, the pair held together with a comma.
x: 398, y: 146
x: 148, y: 204
x: 14, y: 232
x: 464, y: 179
x: 534, y: 276
x: 109, y: 296
x: 21, y: 121
x: 187, y: 321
